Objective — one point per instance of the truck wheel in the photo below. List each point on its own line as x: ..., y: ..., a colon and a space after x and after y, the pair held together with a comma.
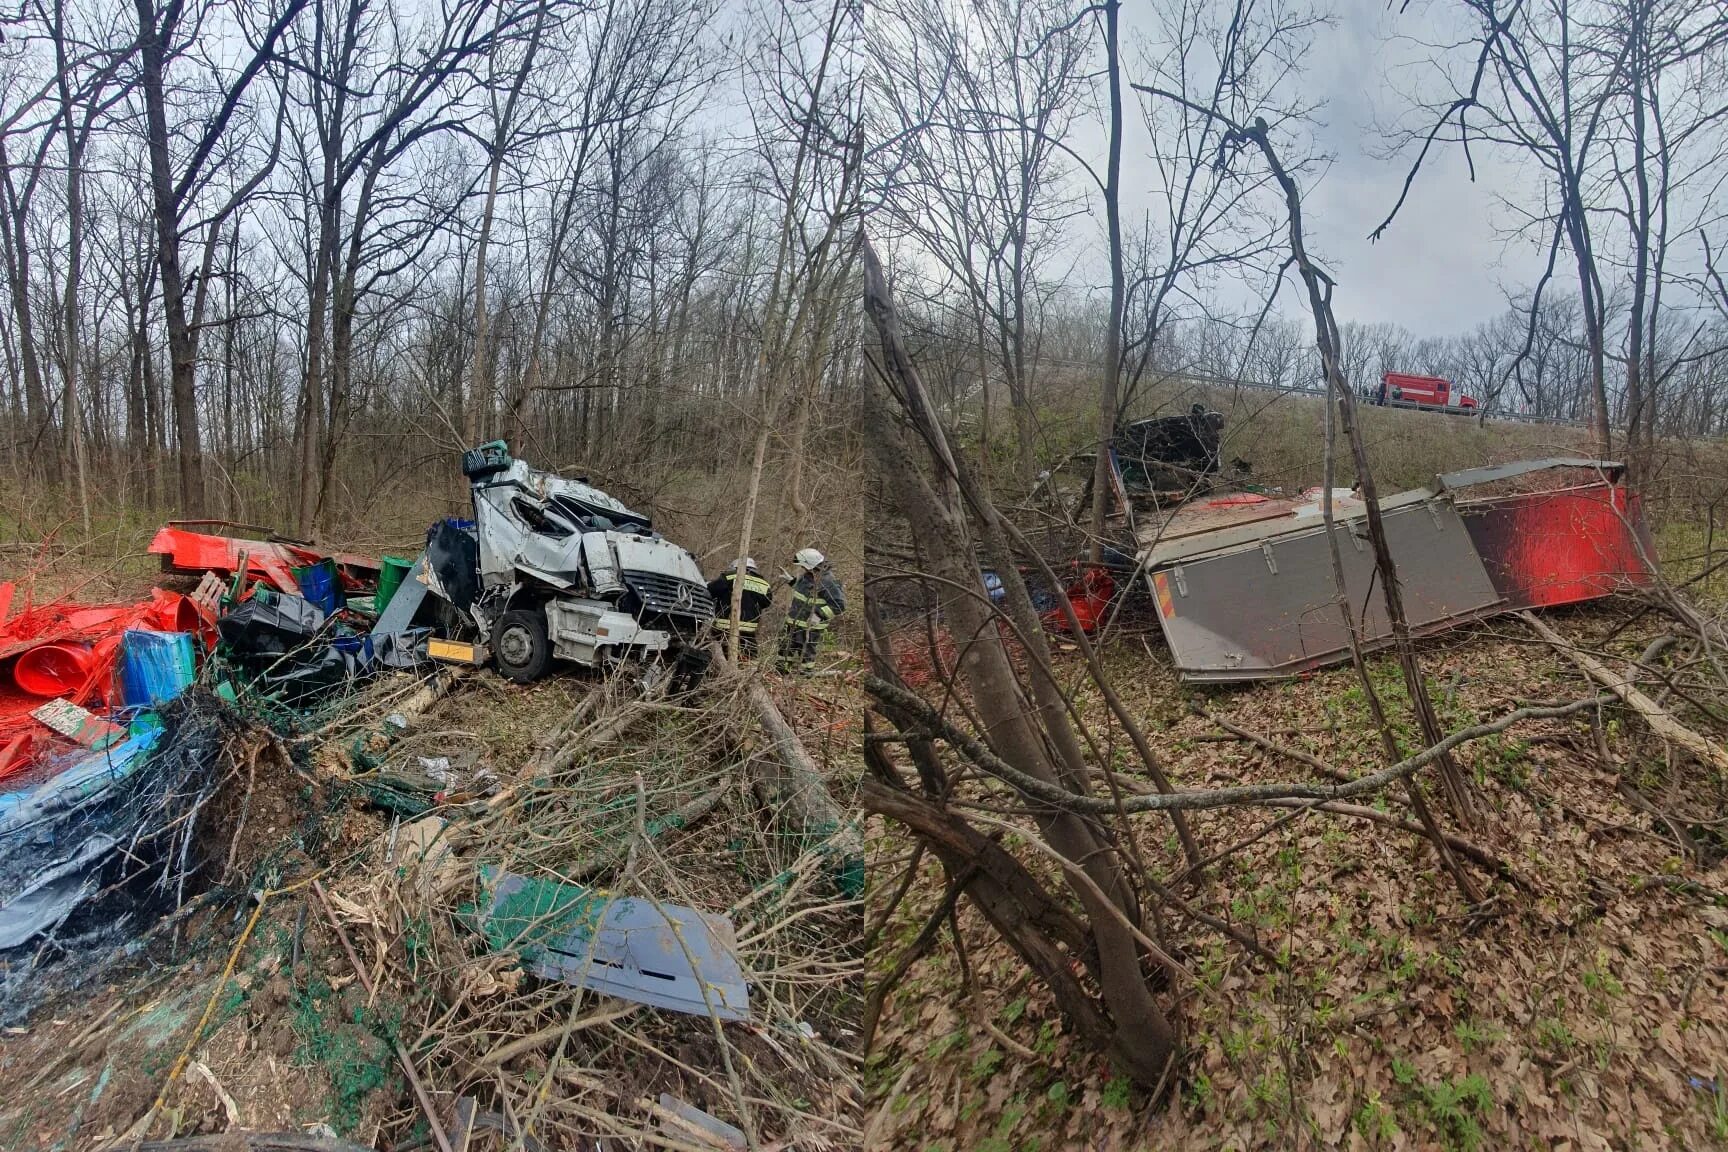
x: 520, y: 648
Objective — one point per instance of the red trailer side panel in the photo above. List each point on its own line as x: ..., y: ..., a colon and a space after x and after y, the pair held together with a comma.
x: 1562, y: 547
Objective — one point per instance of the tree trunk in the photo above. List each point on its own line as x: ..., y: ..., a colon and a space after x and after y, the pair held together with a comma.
x: 182, y: 356
x: 1102, y: 485
x: 72, y: 429
x: 17, y: 251
x: 480, y: 387
x: 1142, y: 1037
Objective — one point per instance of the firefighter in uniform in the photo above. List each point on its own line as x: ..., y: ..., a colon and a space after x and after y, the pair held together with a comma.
x: 758, y: 595
x: 816, y: 600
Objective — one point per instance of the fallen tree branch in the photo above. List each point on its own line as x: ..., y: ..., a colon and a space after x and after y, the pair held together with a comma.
x: 691, y: 813
x: 1197, y: 799
x: 1466, y: 848
x: 508, y: 1051
x: 251, y: 1142
x: 1275, y: 748
x: 788, y: 780
x: 1661, y: 722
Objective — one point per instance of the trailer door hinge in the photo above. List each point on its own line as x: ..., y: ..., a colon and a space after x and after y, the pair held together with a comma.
x: 1434, y: 511
x: 1181, y: 580
x: 1271, y: 562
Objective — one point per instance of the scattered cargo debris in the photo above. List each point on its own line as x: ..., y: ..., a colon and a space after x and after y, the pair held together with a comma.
x: 1169, y: 452
x: 1244, y: 586
x: 1090, y: 595
x: 94, y: 851
x: 664, y: 955
x: 185, y: 551
x: 76, y: 723
x: 229, y: 762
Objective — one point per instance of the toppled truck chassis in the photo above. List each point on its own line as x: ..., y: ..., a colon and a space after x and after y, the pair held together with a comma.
x: 1245, y: 590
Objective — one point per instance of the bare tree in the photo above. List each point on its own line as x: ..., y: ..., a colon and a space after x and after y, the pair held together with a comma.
x: 1033, y: 735
x: 163, y: 30
x: 973, y: 105
x: 812, y: 102
x: 1208, y: 223
x: 1605, y: 97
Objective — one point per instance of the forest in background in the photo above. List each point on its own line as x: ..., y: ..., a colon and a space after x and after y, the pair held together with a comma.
x: 1064, y: 198
x: 282, y: 263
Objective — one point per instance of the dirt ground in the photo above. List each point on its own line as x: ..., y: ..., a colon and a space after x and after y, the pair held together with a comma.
x: 1584, y: 1009
x: 267, y: 1026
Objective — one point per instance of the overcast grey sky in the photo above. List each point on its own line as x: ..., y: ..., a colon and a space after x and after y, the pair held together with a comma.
x: 1445, y: 264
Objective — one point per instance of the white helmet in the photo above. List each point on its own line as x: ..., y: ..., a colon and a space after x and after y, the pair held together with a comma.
x: 748, y: 564
x: 810, y: 558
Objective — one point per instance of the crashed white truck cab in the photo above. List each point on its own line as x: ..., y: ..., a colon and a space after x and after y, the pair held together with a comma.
x: 567, y: 571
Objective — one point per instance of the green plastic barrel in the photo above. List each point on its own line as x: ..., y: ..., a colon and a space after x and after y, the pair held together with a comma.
x: 390, y: 576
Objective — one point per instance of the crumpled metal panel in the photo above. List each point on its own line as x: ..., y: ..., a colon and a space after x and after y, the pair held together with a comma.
x: 1268, y: 608
x: 664, y: 955
x: 1610, y: 470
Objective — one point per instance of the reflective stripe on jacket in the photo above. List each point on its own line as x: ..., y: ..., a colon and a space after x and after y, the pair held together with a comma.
x: 758, y: 594
x: 815, y: 603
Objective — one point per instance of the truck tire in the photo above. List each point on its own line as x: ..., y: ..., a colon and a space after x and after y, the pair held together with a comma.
x: 520, y: 648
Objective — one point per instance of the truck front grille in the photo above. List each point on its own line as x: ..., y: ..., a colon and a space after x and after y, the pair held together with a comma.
x: 665, y: 595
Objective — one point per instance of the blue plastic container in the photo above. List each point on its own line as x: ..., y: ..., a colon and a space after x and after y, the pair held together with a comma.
x: 321, y: 585
x: 359, y: 646
x: 155, y: 667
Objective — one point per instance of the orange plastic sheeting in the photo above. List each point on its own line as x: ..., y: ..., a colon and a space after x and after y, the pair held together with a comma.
x: 68, y: 651
x: 188, y: 552
x: 1090, y: 598
x: 15, y: 753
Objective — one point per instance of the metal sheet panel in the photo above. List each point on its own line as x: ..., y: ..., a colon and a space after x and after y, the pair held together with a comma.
x: 1268, y: 609
x: 1469, y: 477
x: 1253, y: 524
x: 666, y: 955
x: 1546, y: 548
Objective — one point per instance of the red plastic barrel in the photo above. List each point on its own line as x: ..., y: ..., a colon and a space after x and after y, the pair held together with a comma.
x: 172, y: 612
x: 54, y: 669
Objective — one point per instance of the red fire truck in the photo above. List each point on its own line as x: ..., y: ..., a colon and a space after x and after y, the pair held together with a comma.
x: 1402, y: 390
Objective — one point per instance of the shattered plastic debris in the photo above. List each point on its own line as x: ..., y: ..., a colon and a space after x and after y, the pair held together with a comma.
x: 66, y: 650
x: 664, y: 955
x: 77, y: 724
x: 189, y: 552
x: 96, y: 850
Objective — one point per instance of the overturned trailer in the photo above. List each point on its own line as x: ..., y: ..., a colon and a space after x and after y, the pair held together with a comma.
x: 1244, y: 583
